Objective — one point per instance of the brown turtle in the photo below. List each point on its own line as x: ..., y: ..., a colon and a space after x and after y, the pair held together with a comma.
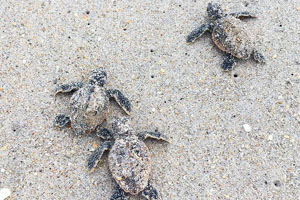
x: 129, y: 159
x: 229, y: 34
x: 89, y: 103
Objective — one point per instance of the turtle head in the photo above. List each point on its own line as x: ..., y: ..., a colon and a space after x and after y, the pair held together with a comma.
x: 214, y: 11
x: 98, y: 77
x: 121, y: 126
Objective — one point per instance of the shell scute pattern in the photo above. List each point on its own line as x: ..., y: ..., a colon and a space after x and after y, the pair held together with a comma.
x: 130, y: 164
x: 89, y: 108
x: 230, y: 36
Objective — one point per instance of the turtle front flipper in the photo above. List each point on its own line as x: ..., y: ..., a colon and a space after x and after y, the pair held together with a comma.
x: 258, y: 56
x: 97, y: 154
x: 65, y: 88
x: 198, y: 32
x: 228, y: 62
x: 150, y: 193
x: 123, y: 101
x: 243, y: 14
x: 154, y: 135
x: 62, y: 121
x: 118, y: 194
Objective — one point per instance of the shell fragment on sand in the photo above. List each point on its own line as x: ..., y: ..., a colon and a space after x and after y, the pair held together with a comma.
x: 4, y: 193
x: 247, y: 127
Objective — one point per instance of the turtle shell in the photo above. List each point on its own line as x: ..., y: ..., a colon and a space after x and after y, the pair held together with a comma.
x: 130, y: 164
x: 89, y: 107
x: 230, y: 35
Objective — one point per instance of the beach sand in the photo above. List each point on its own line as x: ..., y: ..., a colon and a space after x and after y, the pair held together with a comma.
x: 233, y: 135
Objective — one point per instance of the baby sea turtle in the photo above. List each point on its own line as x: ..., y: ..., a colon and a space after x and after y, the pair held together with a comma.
x: 229, y: 34
x: 89, y: 103
x: 129, y: 159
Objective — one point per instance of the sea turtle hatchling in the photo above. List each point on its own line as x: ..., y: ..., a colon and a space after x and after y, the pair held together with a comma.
x: 89, y: 103
x: 229, y: 34
x: 129, y: 159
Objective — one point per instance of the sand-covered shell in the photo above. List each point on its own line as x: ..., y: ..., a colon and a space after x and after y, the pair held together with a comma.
x: 89, y: 107
x: 230, y: 35
x: 130, y: 164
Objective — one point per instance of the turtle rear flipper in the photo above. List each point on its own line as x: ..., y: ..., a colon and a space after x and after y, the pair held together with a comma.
x: 103, y: 133
x: 62, y: 121
x: 123, y: 101
x: 258, y: 56
x: 97, y: 154
x: 118, y: 194
x: 150, y: 193
x: 66, y: 88
x: 228, y: 62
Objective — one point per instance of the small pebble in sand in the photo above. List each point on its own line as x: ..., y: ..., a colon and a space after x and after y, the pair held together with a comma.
x: 4, y: 193
x: 270, y: 137
x: 4, y: 147
x: 287, y: 137
x: 94, y: 145
x: 247, y: 127
x: 298, y: 8
x: 2, y: 170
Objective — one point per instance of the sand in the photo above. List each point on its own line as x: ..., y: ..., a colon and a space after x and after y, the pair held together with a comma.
x: 233, y: 135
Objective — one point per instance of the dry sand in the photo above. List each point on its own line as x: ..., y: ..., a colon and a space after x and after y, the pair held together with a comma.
x: 234, y: 135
